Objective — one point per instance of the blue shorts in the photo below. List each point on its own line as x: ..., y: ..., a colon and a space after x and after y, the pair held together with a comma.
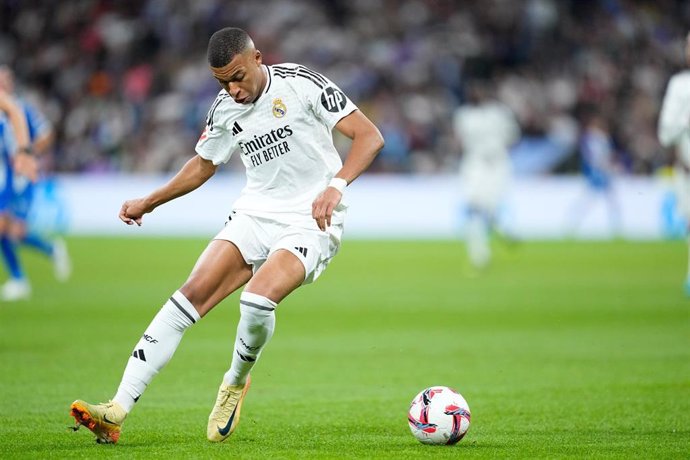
x: 16, y: 194
x: 22, y: 196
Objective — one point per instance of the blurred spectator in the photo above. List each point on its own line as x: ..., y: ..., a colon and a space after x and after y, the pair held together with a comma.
x: 112, y: 72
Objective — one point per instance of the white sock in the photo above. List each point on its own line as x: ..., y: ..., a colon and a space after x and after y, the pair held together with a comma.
x: 254, y: 330
x: 477, y: 234
x: 155, y: 348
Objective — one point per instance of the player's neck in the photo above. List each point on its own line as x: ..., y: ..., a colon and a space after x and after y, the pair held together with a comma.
x: 264, y: 73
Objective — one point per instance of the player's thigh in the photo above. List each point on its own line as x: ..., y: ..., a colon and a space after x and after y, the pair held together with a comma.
x: 5, y: 221
x: 281, y: 274
x: 17, y: 228
x: 298, y: 256
x: 219, y: 271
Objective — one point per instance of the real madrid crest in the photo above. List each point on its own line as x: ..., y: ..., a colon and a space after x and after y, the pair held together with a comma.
x: 279, y: 109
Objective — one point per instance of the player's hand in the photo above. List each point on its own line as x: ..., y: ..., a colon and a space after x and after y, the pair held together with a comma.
x: 26, y: 165
x: 132, y: 211
x: 323, y: 206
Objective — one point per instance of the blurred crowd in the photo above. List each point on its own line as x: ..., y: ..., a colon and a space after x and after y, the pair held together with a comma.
x: 127, y: 86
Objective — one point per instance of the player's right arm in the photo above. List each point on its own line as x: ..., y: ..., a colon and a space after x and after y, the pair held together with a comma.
x: 192, y: 175
x: 17, y: 120
x: 24, y: 163
x: 215, y: 146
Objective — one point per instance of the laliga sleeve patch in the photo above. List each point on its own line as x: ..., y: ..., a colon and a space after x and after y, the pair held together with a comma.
x: 333, y: 99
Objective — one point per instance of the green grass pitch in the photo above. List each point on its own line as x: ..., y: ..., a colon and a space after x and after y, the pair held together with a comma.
x: 561, y: 349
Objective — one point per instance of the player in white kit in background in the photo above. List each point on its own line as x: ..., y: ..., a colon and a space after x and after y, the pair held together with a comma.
x: 674, y: 131
x: 282, y: 231
x: 486, y: 130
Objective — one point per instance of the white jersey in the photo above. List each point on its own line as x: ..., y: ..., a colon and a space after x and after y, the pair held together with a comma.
x: 486, y: 131
x: 674, y: 120
x: 285, y: 141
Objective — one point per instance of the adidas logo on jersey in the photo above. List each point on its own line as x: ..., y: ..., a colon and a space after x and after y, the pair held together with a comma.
x: 236, y: 129
x: 302, y: 250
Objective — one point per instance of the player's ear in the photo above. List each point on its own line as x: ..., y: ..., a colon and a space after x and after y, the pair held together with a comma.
x: 258, y: 57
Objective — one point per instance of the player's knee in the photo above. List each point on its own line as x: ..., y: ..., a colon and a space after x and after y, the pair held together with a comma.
x: 198, y: 295
x: 254, y: 299
x: 17, y: 231
x: 263, y: 291
x: 4, y: 225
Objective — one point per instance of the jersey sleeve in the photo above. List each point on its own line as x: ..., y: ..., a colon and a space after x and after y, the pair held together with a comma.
x: 328, y: 102
x: 674, y: 118
x: 216, y: 141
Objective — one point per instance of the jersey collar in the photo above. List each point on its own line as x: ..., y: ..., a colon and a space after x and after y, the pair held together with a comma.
x: 268, y: 82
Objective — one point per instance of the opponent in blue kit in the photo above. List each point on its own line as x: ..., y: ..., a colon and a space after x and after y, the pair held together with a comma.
x: 17, y: 198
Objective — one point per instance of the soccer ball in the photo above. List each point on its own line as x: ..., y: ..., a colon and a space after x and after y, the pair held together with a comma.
x: 439, y: 415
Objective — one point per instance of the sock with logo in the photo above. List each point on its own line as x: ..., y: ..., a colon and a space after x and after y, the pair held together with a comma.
x: 9, y: 255
x: 155, y: 348
x: 254, y: 330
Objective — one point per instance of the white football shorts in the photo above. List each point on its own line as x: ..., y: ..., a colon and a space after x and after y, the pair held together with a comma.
x: 485, y: 184
x: 257, y: 238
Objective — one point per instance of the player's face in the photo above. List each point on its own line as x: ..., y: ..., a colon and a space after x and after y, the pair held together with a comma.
x: 243, y: 77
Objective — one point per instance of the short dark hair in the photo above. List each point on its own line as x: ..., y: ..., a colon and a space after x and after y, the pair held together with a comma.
x: 225, y: 44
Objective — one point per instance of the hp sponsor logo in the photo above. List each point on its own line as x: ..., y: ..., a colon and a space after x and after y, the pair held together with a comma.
x: 333, y: 99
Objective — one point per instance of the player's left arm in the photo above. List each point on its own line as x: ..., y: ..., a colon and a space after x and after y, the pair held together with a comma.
x: 367, y: 142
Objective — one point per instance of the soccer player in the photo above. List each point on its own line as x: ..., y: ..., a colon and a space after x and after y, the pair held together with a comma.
x: 15, y: 151
x: 598, y: 167
x: 282, y: 232
x: 15, y: 207
x: 486, y: 130
x: 674, y: 130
